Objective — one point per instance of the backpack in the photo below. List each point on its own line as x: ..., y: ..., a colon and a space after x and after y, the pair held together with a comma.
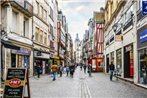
x: 67, y: 68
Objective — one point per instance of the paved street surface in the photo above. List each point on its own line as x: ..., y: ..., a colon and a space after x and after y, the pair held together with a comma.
x: 83, y: 86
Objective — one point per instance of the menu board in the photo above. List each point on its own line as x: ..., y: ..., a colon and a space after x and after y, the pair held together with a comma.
x: 15, y: 82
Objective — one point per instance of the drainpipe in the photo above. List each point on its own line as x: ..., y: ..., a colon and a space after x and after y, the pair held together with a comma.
x: 0, y: 47
x: 32, y: 34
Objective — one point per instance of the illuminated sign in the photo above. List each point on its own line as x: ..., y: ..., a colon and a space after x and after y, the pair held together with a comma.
x: 143, y: 36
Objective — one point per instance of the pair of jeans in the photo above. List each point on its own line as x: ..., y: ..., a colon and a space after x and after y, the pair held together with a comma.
x: 111, y: 74
x: 54, y: 75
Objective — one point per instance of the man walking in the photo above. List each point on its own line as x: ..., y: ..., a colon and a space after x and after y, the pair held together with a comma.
x: 54, y: 68
x: 61, y: 70
x: 111, y: 68
x: 67, y: 69
x: 38, y: 70
x: 84, y: 68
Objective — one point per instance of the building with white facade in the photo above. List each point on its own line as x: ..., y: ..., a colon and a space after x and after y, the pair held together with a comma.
x: 41, y: 34
x: 16, y: 30
x: 125, y: 41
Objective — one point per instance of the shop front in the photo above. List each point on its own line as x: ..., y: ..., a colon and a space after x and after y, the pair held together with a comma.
x: 20, y: 58
x: 119, y: 61
x: 128, y: 61
x: 107, y: 63
x: 41, y: 58
x: 142, y: 54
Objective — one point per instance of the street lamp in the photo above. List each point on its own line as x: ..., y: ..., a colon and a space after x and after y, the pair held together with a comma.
x: 115, y: 26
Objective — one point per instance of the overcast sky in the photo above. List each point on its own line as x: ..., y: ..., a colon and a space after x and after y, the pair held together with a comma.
x: 78, y: 12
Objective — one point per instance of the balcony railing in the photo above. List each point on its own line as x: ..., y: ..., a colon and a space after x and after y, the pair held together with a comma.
x: 139, y: 15
x: 128, y: 24
x: 22, y: 5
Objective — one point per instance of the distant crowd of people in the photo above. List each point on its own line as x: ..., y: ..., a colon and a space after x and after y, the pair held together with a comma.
x: 54, y: 69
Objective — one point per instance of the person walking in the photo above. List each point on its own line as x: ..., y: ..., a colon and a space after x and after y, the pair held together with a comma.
x: 67, y: 69
x: 111, y: 68
x: 81, y: 65
x: 84, y: 68
x: 72, y: 68
x: 54, y: 68
x: 38, y: 70
x: 61, y: 69
x: 89, y: 70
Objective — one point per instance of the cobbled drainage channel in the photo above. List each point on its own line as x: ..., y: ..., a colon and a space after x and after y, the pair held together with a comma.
x: 85, y: 92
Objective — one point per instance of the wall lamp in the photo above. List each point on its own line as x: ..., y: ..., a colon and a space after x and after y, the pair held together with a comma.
x: 115, y: 26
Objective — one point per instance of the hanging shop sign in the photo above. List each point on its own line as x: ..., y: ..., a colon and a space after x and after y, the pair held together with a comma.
x: 118, y: 38
x: 143, y: 36
x: 144, y: 7
x: 15, y: 83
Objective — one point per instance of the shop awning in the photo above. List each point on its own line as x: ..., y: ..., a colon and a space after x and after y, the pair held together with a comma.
x: 10, y: 45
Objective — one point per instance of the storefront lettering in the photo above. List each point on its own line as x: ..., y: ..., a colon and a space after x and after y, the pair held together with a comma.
x: 128, y: 48
x: 143, y: 36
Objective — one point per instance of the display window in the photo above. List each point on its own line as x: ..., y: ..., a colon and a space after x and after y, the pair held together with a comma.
x: 143, y: 66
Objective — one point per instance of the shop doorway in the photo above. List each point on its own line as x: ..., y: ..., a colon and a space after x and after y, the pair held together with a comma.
x: 127, y: 65
x: 128, y: 62
x: 13, y: 60
x: 107, y: 61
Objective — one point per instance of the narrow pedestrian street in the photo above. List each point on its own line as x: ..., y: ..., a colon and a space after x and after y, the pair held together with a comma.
x: 83, y: 86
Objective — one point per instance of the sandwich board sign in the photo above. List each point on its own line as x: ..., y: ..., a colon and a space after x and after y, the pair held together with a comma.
x: 15, y: 83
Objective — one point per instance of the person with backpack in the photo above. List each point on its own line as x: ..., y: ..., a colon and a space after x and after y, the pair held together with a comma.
x: 67, y: 69
x: 54, y: 68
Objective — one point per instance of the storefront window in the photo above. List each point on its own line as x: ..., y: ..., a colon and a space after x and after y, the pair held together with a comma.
x: 112, y: 57
x: 143, y: 66
x: 119, y: 61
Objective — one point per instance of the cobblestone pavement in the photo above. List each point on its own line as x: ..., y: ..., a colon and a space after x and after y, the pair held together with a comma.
x: 83, y: 86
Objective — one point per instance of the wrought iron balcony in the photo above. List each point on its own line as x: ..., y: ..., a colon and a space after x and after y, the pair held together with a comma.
x: 139, y: 15
x: 128, y: 24
x: 22, y: 5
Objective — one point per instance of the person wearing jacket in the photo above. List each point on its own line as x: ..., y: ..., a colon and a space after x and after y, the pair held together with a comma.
x: 111, y: 68
x: 54, y: 68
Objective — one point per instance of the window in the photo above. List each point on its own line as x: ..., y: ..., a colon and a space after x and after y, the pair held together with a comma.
x: 139, y: 4
x: 41, y: 36
x: 41, y: 12
x: 37, y: 7
x: 14, y: 21
x: 45, y: 38
x: 45, y: 15
x: 128, y: 14
x: 51, y: 13
x: 36, y: 34
x: 26, y: 27
x: 51, y: 30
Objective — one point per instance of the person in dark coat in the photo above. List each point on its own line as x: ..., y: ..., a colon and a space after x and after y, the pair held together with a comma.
x: 111, y: 68
x: 38, y: 70
x: 89, y: 69
x: 84, y: 68
x: 72, y: 68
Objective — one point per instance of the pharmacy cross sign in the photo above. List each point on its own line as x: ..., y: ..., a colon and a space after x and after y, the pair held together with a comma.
x: 144, y: 7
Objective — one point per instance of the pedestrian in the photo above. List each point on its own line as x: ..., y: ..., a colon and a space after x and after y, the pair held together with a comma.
x: 84, y: 68
x: 54, y: 68
x: 61, y: 69
x: 89, y: 69
x: 38, y: 70
x: 81, y: 65
x: 111, y: 68
x: 72, y: 68
x: 67, y: 69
